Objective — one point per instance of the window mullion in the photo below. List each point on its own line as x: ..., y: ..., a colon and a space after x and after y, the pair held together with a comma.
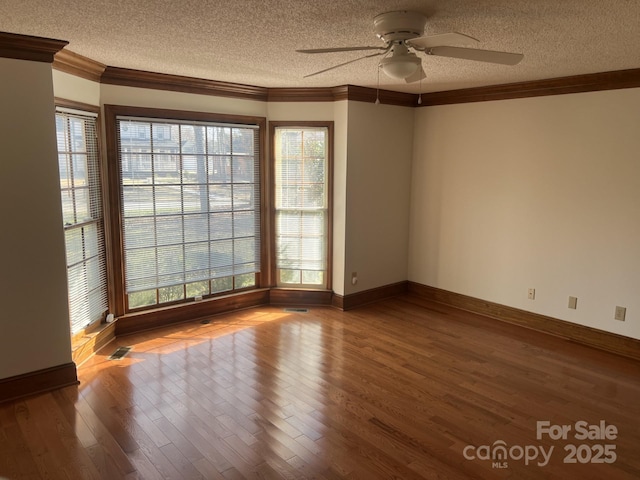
x: 152, y: 157
x: 182, y: 217
x: 233, y: 199
x: 71, y: 171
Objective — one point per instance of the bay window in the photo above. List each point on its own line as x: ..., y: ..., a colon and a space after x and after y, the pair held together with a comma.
x: 189, y: 202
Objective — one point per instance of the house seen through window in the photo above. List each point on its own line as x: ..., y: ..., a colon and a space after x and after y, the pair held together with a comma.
x: 189, y: 207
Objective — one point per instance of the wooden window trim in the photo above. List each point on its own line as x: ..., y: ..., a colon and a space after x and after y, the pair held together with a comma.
x: 329, y: 125
x: 95, y: 109
x: 111, y: 112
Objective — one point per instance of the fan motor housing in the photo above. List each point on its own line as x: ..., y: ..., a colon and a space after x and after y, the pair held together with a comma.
x: 399, y: 25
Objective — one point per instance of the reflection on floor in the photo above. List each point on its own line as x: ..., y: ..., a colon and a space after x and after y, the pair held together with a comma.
x: 400, y: 389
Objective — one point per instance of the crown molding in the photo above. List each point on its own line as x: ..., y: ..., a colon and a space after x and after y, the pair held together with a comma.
x: 323, y: 94
x: 343, y: 92
x: 554, y: 86
x: 177, y: 83
x: 161, y: 81
x: 75, y: 64
x: 547, y: 87
x: 26, y: 47
x: 386, y: 97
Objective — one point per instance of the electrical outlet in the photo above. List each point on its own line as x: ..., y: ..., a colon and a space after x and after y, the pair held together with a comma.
x: 573, y: 302
x: 531, y: 295
x: 621, y: 312
x: 354, y: 278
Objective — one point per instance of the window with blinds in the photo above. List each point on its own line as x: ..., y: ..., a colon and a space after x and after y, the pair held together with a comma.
x: 190, y: 208
x: 81, y: 193
x: 302, y: 200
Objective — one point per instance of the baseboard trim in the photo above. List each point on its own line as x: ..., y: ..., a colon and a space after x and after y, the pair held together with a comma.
x: 291, y: 297
x: 40, y: 381
x: 151, y: 319
x: 355, y: 300
x: 161, y: 317
x: 610, y: 342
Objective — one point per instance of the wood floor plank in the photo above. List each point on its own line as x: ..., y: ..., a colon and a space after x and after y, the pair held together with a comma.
x: 16, y: 460
x: 396, y: 389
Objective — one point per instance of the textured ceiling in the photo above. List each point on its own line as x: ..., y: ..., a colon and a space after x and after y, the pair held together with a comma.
x: 254, y: 41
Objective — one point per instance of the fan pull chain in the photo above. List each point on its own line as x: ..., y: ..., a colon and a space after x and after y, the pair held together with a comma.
x: 420, y: 92
x: 378, y: 87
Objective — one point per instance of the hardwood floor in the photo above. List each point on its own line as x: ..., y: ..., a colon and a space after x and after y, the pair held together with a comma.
x: 400, y: 389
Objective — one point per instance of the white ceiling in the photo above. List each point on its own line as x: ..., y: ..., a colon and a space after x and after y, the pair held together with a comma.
x: 254, y: 41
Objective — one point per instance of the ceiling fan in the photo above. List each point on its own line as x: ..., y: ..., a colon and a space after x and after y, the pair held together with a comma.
x: 401, y: 33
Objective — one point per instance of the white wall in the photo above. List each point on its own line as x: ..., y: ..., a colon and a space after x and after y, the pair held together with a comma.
x: 70, y: 87
x: 340, y: 118
x: 380, y: 142
x: 539, y: 192
x: 310, y: 111
x: 34, y: 321
x: 142, y: 97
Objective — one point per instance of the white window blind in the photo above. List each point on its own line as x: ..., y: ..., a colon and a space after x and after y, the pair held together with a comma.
x: 301, y: 204
x: 190, y: 197
x: 81, y: 193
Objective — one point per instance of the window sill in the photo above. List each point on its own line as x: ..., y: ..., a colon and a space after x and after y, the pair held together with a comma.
x: 86, y: 344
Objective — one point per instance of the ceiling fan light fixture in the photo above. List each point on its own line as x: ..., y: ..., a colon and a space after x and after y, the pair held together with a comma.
x: 402, y: 32
x: 400, y: 67
x: 399, y: 25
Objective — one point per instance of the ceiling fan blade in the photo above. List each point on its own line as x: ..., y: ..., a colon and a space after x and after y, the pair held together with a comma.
x: 490, y: 56
x: 430, y: 41
x: 339, y: 49
x: 347, y: 63
x: 416, y: 77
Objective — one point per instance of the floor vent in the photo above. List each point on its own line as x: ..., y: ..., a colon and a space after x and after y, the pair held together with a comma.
x: 120, y: 353
x: 206, y: 321
x: 296, y: 310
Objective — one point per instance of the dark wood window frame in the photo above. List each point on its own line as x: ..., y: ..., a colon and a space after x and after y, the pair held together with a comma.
x: 114, y: 205
x: 329, y: 125
x: 82, y: 107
